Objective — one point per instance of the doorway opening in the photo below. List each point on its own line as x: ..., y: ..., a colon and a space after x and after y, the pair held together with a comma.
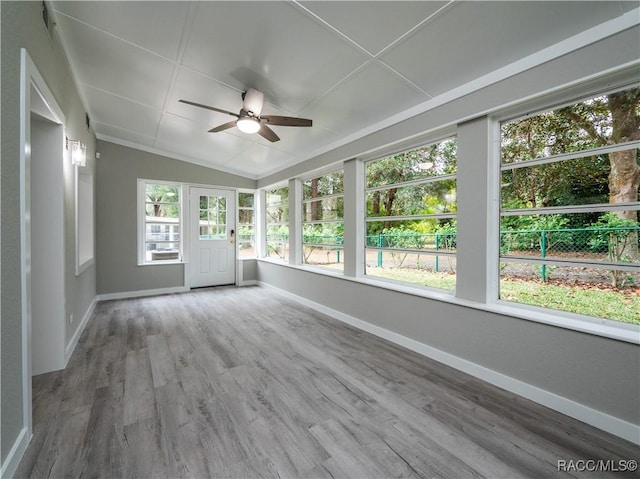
x: 41, y: 231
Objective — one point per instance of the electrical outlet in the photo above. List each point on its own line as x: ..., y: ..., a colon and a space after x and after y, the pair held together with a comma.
x: 71, y: 318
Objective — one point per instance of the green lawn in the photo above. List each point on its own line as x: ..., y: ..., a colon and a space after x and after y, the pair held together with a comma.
x: 616, y: 305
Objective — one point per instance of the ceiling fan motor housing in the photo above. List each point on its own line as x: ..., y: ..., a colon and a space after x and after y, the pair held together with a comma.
x: 253, y: 101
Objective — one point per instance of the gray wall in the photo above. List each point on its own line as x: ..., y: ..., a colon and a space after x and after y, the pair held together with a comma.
x: 601, y: 373
x: 249, y: 270
x: 118, y: 170
x: 21, y: 26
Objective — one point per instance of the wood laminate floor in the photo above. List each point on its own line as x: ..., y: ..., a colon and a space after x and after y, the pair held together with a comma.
x: 244, y: 383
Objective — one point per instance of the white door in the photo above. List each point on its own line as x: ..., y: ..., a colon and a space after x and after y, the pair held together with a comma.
x: 213, y: 250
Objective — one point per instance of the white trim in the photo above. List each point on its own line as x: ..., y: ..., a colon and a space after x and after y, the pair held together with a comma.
x: 416, y: 182
x: 576, y: 42
x: 73, y: 342
x: 629, y: 333
x: 12, y: 461
x: 29, y: 76
x: 142, y: 293
x: 587, y: 153
x: 376, y: 219
x: 323, y: 197
x: 249, y: 282
x: 598, y: 419
x: 588, y: 208
x: 141, y: 209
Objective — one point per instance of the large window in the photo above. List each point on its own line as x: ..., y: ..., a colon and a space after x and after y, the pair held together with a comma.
x: 160, y: 224
x: 277, y: 223
x: 322, y: 220
x: 246, y: 225
x: 569, y: 208
x: 411, y: 216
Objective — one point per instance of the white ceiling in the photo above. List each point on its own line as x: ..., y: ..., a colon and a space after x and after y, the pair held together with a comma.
x: 346, y: 65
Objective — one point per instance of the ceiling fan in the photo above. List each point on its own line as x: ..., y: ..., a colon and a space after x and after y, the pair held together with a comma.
x: 249, y: 119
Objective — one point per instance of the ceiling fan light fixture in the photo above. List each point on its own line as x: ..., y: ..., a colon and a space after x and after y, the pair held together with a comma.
x: 248, y: 125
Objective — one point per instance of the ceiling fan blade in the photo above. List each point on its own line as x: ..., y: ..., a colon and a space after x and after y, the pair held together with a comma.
x: 223, y: 127
x: 286, y: 120
x: 268, y: 133
x: 207, y: 107
x: 253, y: 101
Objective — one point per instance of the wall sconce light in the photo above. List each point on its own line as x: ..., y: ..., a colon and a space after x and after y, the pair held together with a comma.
x: 78, y: 152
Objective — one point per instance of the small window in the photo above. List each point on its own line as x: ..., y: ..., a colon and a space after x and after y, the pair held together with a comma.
x: 246, y: 237
x: 277, y: 223
x: 569, y: 208
x: 322, y: 221
x: 411, y: 216
x: 160, y: 222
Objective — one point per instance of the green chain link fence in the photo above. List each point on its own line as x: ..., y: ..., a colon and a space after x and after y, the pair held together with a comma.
x: 598, y: 244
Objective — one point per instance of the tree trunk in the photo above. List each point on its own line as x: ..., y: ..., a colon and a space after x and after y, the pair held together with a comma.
x: 376, y: 203
x: 388, y: 205
x: 624, y: 177
x: 314, y: 205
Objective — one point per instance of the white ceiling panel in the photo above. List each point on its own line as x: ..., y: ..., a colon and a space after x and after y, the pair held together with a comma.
x: 474, y: 38
x: 123, y: 135
x: 374, y: 28
x: 347, y: 65
x: 374, y: 93
x: 271, y: 46
x: 124, y: 114
x: 259, y: 160
x: 113, y: 65
x: 186, y: 138
x: 295, y: 140
x: 194, y: 86
x: 157, y: 27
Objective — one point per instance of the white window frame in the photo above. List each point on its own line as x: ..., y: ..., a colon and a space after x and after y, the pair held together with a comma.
x: 183, y: 205
x: 590, y: 324
x: 254, y: 224
x: 430, y: 179
x: 480, y: 291
x: 264, y: 253
x: 317, y: 222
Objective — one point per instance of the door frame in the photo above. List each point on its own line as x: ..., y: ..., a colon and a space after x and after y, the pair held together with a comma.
x: 186, y: 246
x: 30, y: 77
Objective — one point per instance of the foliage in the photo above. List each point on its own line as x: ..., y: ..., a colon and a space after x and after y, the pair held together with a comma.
x: 321, y: 187
x: 162, y: 200
x: 613, y: 234
x: 591, y: 179
x: 422, y: 198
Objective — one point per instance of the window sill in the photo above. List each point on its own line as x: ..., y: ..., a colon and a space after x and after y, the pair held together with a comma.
x: 596, y: 326
x: 160, y: 263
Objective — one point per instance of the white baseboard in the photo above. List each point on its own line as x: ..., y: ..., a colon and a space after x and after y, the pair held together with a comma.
x: 599, y: 419
x: 142, y: 293
x: 249, y: 282
x: 10, y: 464
x: 76, y: 336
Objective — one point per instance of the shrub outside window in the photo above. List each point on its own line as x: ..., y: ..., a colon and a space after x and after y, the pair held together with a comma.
x: 322, y: 221
x: 411, y: 216
x: 246, y: 236
x: 569, y: 208
x: 277, y: 223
